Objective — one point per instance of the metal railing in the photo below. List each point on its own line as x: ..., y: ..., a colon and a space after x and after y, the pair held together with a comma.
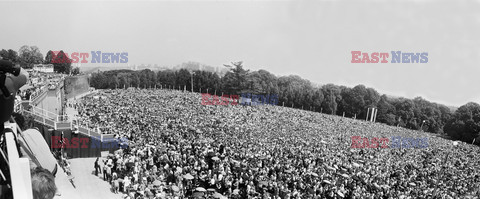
x: 59, y: 125
x: 54, y: 120
x: 38, y: 94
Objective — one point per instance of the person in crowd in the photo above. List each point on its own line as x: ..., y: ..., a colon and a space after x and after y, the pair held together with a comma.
x: 43, y: 184
x: 97, y: 166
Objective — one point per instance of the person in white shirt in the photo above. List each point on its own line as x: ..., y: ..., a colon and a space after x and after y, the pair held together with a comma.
x: 126, y: 184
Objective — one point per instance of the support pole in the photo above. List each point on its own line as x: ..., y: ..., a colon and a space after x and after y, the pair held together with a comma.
x: 371, y: 114
x: 368, y: 111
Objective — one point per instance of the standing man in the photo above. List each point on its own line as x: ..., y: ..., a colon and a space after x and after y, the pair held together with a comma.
x: 97, y: 167
x: 104, y: 170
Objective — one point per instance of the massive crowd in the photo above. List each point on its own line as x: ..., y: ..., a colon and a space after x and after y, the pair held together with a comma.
x: 179, y: 148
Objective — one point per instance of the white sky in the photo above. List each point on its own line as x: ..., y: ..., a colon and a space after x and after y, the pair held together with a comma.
x: 312, y: 39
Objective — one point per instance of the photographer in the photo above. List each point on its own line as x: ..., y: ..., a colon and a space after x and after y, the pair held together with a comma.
x: 11, y: 79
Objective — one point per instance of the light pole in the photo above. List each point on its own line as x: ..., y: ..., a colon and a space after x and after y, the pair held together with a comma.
x: 421, y: 126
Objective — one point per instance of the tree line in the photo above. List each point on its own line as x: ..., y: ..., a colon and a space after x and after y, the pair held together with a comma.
x: 28, y: 56
x: 293, y: 91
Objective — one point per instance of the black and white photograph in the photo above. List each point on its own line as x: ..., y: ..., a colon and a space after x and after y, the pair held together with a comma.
x: 238, y: 99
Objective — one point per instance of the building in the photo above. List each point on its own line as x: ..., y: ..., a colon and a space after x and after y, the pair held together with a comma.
x: 44, y: 68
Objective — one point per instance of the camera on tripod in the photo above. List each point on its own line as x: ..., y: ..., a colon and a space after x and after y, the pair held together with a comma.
x: 7, y: 67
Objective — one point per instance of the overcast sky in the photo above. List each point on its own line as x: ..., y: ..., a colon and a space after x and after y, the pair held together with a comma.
x: 311, y: 39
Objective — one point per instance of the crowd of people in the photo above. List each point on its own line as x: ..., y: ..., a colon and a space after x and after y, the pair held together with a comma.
x: 39, y: 82
x: 179, y: 148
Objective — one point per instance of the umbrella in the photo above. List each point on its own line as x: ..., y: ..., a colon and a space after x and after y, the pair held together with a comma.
x: 217, y: 195
x: 156, y: 183
x: 330, y: 168
x: 175, y: 188
x: 200, y: 189
x: 345, y: 175
x: 340, y: 194
x: 188, y: 176
x: 215, y: 158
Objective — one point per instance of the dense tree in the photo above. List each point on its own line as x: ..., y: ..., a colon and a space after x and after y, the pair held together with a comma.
x: 49, y: 57
x: 183, y: 79
x: 405, y: 112
x: 465, y: 123
x: 10, y: 55
x: 386, y: 111
x: 234, y: 81
x: 30, y: 55
x: 332, y: 96
x: 261, y: 82
x: 61, y: 63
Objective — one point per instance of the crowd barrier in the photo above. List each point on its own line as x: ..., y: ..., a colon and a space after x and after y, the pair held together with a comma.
x: 52, y: 124
x: 38, y: 95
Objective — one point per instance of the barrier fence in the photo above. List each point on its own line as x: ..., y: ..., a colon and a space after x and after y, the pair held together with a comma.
x: 61, y: 122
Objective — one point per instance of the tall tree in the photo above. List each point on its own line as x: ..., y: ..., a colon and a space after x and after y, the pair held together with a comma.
x: 386, y: 111
x: 234, y: 81
x: 332, y: 96
x: 465, y: 123
x: 49, y: 57
x: 9, y: 55
x: 61, y: 63
x: 30, y: 55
